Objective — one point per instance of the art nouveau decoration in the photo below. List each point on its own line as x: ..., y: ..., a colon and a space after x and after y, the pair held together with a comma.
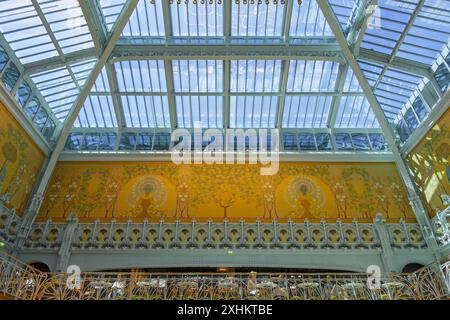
x: 429, y: 162
x: 20, y: 163
x: 24, y: 282
x: 155, y: 191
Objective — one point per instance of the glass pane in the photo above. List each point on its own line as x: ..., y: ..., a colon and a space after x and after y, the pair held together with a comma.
x: 3, y: 59
x: 67, y: 23
x: 144, y: 141
x: 290, y: 142
x: 255, y: 75
x: 91, y: 141
x: 253, y: 111
x: 10, y: 76
x: 74, y: 141
x: 343, y: 141
x: 411, y: 119
x: 420, y: 108
x: 257, y: 18
x: 49, y: 129
x: 199, y: 111
x: 40, y: 118
x: 127, y: 141
x: 402, y: 130
x: 32, y: 107
x: 23, y: 93
x: 360, y: 141
x: 141, y: 76
x: 162, y: 142
x: 146, y: 20
x: 312, y: 76
x: 198, y: 75
x: 108, y: 141
x: 442, y: 76
x: 377, y: 141
x: 197, y: 19
x: 307, y: 142
x: 308, y: 20
x: 306, y: 111
x: 324, y: 142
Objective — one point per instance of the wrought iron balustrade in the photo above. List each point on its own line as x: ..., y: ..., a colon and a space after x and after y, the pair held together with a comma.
x: 23, y: 282
x: 215, y: 235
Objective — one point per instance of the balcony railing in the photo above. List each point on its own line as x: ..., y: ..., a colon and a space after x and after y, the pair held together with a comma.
x: 23, y: 282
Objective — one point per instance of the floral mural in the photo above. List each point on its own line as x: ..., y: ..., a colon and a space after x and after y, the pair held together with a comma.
x: 429, y: 162
x: 153, y: 191
x: 20, y: 163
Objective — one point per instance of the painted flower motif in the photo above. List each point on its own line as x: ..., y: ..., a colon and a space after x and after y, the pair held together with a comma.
x: 338, y: 186
x: 378, y: 186
x: 52, y: 197
x: 73, y: 185
x: 57, y: 185
x: 382, y: 198
x: 182, y: 197
x: 341, y: 198
x: 69, y: 197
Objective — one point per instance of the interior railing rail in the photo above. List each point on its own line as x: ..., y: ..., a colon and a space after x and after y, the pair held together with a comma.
x: 21, y: 281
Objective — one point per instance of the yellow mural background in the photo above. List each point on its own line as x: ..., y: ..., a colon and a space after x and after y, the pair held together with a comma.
x: 107, y: 190
x: 429, y: 161
x: 20, y: 162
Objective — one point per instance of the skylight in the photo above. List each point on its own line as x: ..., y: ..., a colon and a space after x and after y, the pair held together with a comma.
x: 61, y: 86
x: 200, y: 19
x: 255, y: 75
x: 39, y: 29
x: 258, y: 19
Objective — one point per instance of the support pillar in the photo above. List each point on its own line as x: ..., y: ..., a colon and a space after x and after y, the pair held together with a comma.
x: 383, y: 235
x: 65, y: 251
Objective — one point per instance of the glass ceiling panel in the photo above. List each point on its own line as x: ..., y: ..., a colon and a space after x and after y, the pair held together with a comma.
x: 25, y: 32
x: 393, y: 16
x: 68, y: 24
x: 61, y: 86
x: 257, y: 19
x: 306, y: 111
x: 312, y: 76
x: 102, y: 83
x: 351, y: 82
x: 146, y: 111
x: 111, y: 10
x: 393, y: 89
x: 198, y: 75
x: 146, y: 20
x: 141, y: 76
x: 308, y: 20
x: 343, y: 10
x: 199, y: 111
x: 253, y: 111
x: 197, y: 18
x: 355, y: 112
x: 429, y: 34
x: 97, y: 112
x: 255, y: 75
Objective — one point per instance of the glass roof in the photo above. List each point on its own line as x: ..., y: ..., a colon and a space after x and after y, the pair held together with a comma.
x: 61, y: 86
x: 231, y: 88
x: 41, y: 29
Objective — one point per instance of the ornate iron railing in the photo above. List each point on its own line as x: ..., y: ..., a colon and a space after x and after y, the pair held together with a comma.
x: 98, y: 235
x: 23, y: 282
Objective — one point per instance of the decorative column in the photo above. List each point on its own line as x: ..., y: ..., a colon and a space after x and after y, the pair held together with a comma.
x: 424, y: 223
x: 385, y: 240
x: 27, y: 221
x: 65, y: 251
